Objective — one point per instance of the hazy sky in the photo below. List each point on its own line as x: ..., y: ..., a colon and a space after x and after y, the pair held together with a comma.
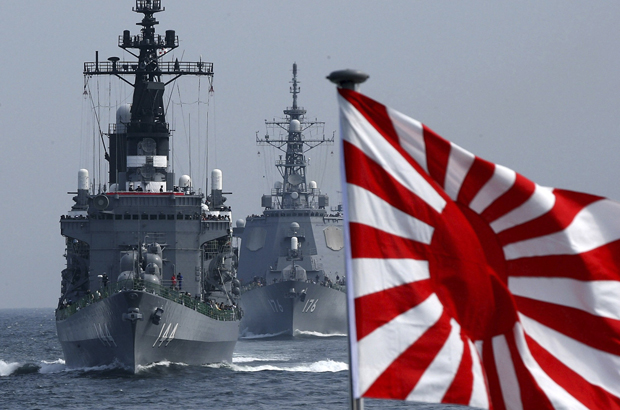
x: 532, y: 85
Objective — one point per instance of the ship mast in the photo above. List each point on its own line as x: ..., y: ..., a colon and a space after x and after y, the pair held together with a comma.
x: 294, y: 193
x: 139, y: 142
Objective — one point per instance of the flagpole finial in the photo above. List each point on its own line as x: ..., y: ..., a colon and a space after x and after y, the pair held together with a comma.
x: 348, y: 78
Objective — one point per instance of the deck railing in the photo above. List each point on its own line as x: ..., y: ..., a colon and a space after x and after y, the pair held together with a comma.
x: 139, y: 285
x: 253, y: 285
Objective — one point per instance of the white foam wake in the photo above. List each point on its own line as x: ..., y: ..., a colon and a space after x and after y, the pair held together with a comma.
x: 322, y: 366
x: 164, y: 363
x: 317, y: 334
x: 6, y: 369
x: 250, y: 359
x: 116, y: 365
x: 250, y: 335
x: 55, y: 366
x: 44, y: 367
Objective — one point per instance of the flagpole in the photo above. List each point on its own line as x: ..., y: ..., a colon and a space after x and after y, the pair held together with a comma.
x: 349, y: 79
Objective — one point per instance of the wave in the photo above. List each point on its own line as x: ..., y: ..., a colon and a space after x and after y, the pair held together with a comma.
x: 45, y: 367
x: 317, y: 334
x: 53, y: 367
x: 58, y: 366
x: 302, y: 333
x: 6, y: 369
x: 322, y: 366
x: 250, y: 335
x: 113, y: 367
x: 250, y: 359
x: 162, y: 364
x: 240, y: 364
x: 117, y: 369
x: 104, y: 369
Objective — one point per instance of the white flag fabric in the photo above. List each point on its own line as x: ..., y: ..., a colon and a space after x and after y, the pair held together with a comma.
x: 468, y: 283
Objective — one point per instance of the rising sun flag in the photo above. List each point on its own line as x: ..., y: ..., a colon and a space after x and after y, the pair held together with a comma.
x: 468, y: 283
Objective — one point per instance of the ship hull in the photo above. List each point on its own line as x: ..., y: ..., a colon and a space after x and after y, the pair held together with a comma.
x: 291, y: 308
x: 123, y: 330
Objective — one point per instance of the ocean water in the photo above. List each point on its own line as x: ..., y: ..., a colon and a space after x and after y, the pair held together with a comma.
x: 304, y: 372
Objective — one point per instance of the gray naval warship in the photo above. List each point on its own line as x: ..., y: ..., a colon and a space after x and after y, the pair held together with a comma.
x: 291, y: 257
x: 119, y: 303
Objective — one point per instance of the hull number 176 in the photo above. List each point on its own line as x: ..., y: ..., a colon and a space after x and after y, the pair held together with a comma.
x: 310, y: 306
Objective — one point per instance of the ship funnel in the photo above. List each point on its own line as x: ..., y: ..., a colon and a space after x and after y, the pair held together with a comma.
x: 216, y: 179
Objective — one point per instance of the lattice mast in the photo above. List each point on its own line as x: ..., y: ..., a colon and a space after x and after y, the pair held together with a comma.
x: 139, y: 143
x: 294, y: 192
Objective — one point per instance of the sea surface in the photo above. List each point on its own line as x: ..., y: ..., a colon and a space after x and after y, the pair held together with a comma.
x: 302, y: 372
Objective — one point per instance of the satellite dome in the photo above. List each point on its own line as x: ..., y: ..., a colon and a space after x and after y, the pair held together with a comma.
x: 294, y: 226
x: 240, y: 223
x: 185, y: 181
x: 295, y: 126
x: 313, y: 185
x: 123, y: 117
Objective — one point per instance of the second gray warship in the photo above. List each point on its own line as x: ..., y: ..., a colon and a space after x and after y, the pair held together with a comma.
x: 291, y: 258
x: 150, y: 274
